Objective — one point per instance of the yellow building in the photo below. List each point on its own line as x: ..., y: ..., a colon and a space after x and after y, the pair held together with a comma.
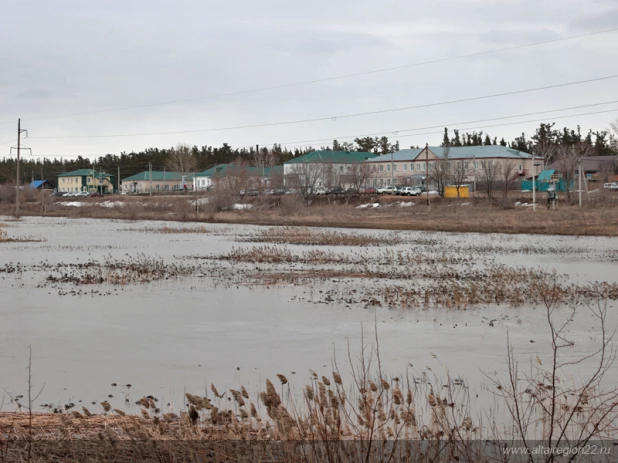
x: 88, y: 180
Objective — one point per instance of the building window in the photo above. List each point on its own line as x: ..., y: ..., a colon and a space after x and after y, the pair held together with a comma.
x: 167, y: 188
x: 476, y: 165
x: 381, y: 168
x: 395, y: 167
x: 521, y: 168
x: 157, y: 187
x: 405, y: 167
x: 483, y: 164
x: 465, y: 165
x: 388, y: 168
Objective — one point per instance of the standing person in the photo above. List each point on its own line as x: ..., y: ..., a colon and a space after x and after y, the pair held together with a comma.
x: 551, y: 196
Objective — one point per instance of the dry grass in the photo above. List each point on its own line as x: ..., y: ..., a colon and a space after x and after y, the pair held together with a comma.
x: 306, y: 236
x: 595, y: 219
x: 386, y: 257
x: 167, y: 230
x: 5, y: 238
x: 365, y: 415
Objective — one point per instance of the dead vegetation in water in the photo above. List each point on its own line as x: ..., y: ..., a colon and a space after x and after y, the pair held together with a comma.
x: 315, y: 237
x: 364, y: 414
x: 283, y: 255
x: 5, y: 238
x: 133, y: 270
x: 169, y: 230
x: 430, y: 287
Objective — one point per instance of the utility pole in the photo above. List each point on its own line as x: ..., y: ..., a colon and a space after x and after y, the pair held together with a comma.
x: 392, y: 171
x: 579, y: 178
x: 118, y: 181
x: 474, y: 167
x: 19, y: 132
x: 533, y: 184
x: 150, y: 173
x: 427, y: 174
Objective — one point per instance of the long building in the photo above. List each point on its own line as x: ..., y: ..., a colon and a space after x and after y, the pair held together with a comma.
x: 410, y: 166
x: 89, y: 180
x: 157, y: 182
x: 327, y: 169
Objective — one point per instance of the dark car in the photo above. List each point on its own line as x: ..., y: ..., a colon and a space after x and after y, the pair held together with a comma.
x: 96, y: 195
x: 351, y: 191
x: 249, y: 193
x: 335, y: 191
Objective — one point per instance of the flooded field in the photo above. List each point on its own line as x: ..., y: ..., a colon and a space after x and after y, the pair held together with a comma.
x: 115, y: 311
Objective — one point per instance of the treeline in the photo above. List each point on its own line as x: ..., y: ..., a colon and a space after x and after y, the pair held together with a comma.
x: 546, y: 136
x: 601, y: 143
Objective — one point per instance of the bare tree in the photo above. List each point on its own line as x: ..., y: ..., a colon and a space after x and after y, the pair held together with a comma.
x: 306, y: 176
x: 440, y: 172
x: 459, y: 175
x: 607, y: 169
x: 546, y: 403
x: 569, y: 160
x: 488, y: 176
x: 263, y: 158
x: 181, y: 159
x: 508, y: 173
x: 614, y: 135
x: 359, y: 175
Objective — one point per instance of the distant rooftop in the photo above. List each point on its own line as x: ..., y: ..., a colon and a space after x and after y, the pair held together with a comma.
x: 457, y: 152
x: 336, y: 157
x: 160, y: 176
x: 86, y: 172
x: 224, y: 169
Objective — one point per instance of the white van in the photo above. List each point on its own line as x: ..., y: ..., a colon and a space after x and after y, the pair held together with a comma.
x: 611, y: 186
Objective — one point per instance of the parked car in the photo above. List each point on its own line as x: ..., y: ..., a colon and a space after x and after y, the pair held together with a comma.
x: 96, y: 195
x: 369, y: 191
x: 335, y: 191
x: 387, y: 190
x: 58, y: 194
x: 250, y: 192
x: 408, y: 191
x: 82, y: 194
x: 350, y: 191
x: 319, y: 190
x: 611, y: 186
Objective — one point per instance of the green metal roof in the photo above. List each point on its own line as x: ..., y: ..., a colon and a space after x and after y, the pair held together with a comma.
x: 85, y: 173
x: 545, y: 176
x: 457, y: 152
x: 159, y: 176
x: 337, y: 157
x: 224, y: 169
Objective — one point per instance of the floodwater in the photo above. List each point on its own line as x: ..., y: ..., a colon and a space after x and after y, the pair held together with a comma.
x: 168, y: 337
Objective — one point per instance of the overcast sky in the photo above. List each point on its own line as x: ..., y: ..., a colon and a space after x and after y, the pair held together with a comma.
x: 63, y: 57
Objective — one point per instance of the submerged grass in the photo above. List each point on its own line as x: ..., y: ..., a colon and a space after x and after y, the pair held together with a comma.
x: 168, y: 230
x: 283, y: 255
x: 307, y: 236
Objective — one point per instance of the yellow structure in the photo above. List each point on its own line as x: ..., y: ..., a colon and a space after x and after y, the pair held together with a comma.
x: 451, y: 192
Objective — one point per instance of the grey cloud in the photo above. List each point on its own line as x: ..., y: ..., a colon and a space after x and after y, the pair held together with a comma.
x: 597, y: 21
x: 517, y: 36
x: 34, y: 93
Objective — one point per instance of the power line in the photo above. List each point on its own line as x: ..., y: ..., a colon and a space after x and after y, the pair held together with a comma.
x: 327, y: 79
x: 288, y: 144
x: 480, y: 127
x: 334, y: 118
x: 398, y: 131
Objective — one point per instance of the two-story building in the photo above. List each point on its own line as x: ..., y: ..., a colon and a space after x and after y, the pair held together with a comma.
x: 238, y: 177
x: 89, y: 180
x: 157, y: 182
x: 411, y: 166
x: 327, y: 169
